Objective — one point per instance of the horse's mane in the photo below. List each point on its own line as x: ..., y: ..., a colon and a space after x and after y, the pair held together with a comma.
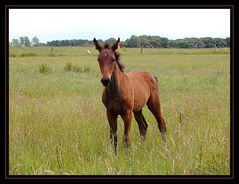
x: 117, y: 58
x: 121, y: 66
x: 106, y: 46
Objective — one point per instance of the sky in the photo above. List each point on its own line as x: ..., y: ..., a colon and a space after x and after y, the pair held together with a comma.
x: 61, y: 24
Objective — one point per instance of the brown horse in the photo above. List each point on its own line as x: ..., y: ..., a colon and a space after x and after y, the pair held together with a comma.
x: 125, y: 94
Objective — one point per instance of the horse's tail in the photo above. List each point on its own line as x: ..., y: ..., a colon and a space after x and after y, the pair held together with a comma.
x: 156, y: 79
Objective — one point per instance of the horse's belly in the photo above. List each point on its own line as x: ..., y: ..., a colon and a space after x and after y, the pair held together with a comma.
x: 141, y: 96
x: 139, y: 102
x: 141, y: 87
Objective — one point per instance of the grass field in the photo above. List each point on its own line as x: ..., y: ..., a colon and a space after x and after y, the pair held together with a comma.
x: 58, y: 125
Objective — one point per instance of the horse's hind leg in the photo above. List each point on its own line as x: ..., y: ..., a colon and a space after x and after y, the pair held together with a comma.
x: 154, y: 106
x: 141, y: 123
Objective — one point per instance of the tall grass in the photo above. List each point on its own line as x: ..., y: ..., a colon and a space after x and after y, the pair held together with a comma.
x: 57, y: 122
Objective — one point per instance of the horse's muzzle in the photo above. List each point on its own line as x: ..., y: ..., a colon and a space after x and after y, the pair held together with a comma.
x: 105, y: 82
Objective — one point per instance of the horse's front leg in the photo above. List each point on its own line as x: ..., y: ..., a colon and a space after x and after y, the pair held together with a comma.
x: 127, y: 118
x: 112, y: 118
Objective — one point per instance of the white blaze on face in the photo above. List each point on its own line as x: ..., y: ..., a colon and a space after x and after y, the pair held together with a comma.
x: 109, y: 76
x: 106, y: 75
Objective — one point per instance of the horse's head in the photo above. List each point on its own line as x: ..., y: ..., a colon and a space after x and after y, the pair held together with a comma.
x: 106, y: 59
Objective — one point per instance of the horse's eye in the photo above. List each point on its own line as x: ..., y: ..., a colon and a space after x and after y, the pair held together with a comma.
x: 98, y: 60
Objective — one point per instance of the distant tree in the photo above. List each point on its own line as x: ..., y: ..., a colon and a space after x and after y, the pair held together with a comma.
x: 133, y: 41
x: 27, y: 42
x: 164, y: 42
x: 123, y: 44
x: 41, y: 44
x: 154, y: 41
x: 24, y: 41
x: 15, y: 43
x: 190, y: 42
x: 143, y: 42
x: 219, y: 42
x: 180, y: 43
x: 208, y: 42
x: 110, y: 41
x: 74, y: 42
x: 228, y: 42
x: 21, y: 41
x: 200, y: 43
x: 171, y: 44
x: 35, y: 41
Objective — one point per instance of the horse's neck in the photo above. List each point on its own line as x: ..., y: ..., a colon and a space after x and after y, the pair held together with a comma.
x: 116, y: 83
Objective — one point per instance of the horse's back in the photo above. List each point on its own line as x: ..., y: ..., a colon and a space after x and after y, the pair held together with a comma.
x: 143, y: 84
x: 142, y: 78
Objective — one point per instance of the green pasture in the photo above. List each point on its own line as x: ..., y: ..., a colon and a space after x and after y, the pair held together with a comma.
x: 58, y: 124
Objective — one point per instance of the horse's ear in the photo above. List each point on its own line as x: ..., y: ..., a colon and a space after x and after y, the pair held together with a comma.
x: 97, y: 45
x: 116, y: 45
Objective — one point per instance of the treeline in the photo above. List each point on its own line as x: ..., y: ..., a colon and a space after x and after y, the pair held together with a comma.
x: 24, y: 41
x: 152, y: 42
x: 75, y: 42
x: 162, y: 42
x: 143, y: 41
